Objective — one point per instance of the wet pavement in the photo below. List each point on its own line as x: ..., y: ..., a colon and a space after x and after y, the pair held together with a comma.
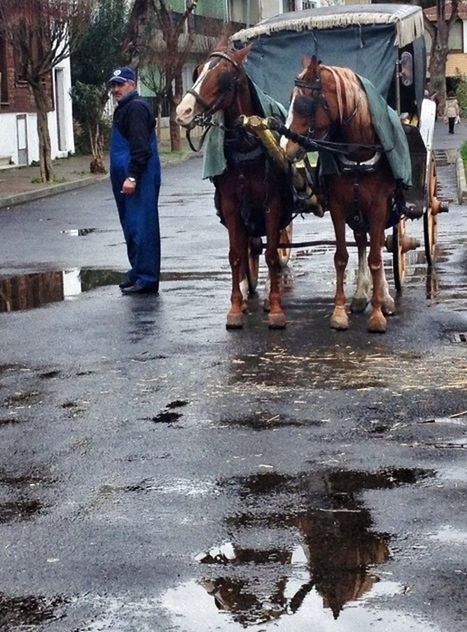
x: 159, y: 473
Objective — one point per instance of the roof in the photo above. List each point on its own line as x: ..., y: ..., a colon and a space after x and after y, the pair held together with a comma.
x: 407, y: 19
x: 462, y: 11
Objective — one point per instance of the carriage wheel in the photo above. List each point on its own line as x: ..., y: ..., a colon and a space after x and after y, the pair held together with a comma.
x: 254, y: 250
x: 430, y: 218
x: 399, y: 257
x: 285, y: 237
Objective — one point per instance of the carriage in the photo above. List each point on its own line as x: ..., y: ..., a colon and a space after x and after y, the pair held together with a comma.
x: 382, y: 44
x: 385, y: 44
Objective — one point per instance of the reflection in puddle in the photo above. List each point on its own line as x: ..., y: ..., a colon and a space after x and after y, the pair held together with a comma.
x: 18, y: 612
x: 80, y: 232
x: 319, y: 561
x: 193, y: 608
x: 39, y: 288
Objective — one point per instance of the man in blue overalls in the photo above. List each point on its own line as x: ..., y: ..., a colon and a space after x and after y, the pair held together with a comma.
x: 136, y: 175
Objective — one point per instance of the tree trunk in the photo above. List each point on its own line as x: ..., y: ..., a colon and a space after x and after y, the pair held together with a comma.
x: 45, y: 152
x: 97, y: 149
x: 175, y: 143
x: 438, y: 60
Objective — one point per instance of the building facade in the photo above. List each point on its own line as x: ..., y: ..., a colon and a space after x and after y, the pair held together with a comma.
x: 19, y: 141
x: 457, y: 58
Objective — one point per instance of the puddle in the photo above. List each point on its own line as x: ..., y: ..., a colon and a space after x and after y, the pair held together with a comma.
x: 33, y: 290
x: 29, y: 291
x: 19, y: 511
x: 165, y: 418
x: 19, y: 497
x: 295, y: 605
x: 83, y: 232
x: 19, y: 612
x: 321, y: 556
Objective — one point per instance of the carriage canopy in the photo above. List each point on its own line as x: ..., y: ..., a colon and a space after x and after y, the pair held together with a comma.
x: 366, y: 38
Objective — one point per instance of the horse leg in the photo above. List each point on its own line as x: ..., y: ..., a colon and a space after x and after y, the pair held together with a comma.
x: 339, y: 319
x: 276, y: 316
x: 238, y: 258
x: 361, y: 298
x: 389, y: 305
x: 377, y: 322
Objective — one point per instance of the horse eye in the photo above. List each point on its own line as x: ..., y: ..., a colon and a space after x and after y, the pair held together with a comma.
x: 226, y: 81
x: 304, y: 106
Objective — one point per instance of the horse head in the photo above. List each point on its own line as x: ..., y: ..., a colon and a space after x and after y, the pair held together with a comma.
x: 328, y: 102
x: 311, y: 107
x: 216, y: 86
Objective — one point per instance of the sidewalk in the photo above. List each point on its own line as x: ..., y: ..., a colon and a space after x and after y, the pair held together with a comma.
x: 22, y: 184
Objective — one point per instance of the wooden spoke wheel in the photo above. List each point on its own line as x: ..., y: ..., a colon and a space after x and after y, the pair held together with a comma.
x: 399, y: 257
x: 255, y: 247
x: 285, y: 238
x: 430, y: 217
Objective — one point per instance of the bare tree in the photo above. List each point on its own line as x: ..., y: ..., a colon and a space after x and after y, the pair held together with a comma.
x: 446, y: 16
x: 159, y: 36
x: 42, y: 33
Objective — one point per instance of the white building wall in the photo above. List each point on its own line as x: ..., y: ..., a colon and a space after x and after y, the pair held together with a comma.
x: 8, y: 144
x: 8, y: 125
x: 269, y: 8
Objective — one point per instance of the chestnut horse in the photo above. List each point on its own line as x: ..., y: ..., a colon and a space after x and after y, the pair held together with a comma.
x: 251, y: 191
x: 328, y: 102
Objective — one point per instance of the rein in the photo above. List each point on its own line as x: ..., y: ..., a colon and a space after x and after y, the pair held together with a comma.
x: 311, y: 144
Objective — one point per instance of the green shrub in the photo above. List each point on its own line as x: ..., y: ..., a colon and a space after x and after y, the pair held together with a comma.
x: 461, y: 92
x: 464, y: 152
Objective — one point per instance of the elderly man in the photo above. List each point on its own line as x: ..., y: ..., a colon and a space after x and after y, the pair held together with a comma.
x: 135, y: 175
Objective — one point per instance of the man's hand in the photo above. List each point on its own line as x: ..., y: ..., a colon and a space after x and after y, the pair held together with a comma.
x: 128, y: 186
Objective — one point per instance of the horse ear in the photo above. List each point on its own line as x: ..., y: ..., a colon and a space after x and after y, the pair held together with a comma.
x: 243, y: 53
x: 306, y: 61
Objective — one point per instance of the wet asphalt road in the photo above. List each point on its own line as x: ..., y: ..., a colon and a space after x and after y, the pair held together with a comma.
x: 159, y: 473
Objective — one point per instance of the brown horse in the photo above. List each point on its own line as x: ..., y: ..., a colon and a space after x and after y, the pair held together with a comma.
x: 250, y: 191
x: 329, y: 103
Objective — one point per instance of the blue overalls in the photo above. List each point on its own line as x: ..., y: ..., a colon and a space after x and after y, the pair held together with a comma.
x: 138, y: 212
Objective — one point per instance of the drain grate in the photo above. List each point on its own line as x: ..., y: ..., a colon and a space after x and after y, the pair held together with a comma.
x: 458, y: 336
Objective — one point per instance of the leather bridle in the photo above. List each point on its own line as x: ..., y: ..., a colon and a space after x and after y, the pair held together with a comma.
x: 211, y: 108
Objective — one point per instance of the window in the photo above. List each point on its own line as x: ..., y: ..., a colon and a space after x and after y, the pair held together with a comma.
x: 455, y: 37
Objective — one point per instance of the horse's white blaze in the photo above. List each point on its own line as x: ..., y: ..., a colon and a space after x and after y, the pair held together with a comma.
x: 186, y: 108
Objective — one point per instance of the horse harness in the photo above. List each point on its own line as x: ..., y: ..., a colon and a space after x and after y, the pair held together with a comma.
x: 342, y: 150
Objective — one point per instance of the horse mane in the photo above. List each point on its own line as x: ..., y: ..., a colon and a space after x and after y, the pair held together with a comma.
x: 350, y: 96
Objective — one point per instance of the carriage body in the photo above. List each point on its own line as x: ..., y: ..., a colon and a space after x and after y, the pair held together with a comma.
x: 383, y: 43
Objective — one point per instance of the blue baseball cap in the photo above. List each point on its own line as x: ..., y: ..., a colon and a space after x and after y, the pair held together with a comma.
x: 122, y: 75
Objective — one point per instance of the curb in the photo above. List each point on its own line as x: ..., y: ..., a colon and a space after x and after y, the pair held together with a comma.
x: 54, y: 189
x: 461, y: 181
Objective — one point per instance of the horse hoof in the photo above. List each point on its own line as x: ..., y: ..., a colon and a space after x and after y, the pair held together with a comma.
x: 276, y: 321
x: 339, y: 319
x: 234, y: 320
x: 358, y: 305
x: 377, y: 325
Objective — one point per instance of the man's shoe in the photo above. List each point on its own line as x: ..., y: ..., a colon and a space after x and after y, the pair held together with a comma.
x: 125, y: 284
x: 137, y: 288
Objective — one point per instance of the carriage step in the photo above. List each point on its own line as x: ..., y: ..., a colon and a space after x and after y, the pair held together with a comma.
x: 441, y: 158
